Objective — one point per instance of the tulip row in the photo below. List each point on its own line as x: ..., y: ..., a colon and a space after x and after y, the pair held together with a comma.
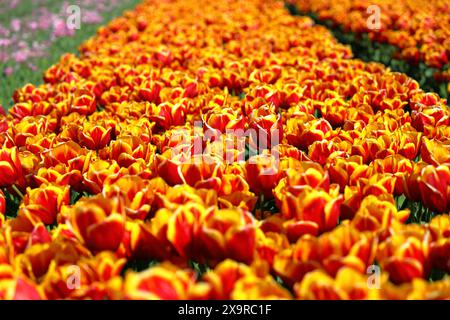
x: 137, y: 151
x: 420, y: 28
x: 408, y: 36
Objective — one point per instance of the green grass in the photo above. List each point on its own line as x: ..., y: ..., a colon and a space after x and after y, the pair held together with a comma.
x: 26, y: 8
x: 24, y: 75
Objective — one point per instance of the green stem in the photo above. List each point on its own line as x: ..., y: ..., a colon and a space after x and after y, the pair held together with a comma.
x: 18, y: 192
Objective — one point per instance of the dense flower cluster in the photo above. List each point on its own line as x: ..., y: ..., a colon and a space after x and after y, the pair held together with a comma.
x: 420, y: 29
x: 313, y: 212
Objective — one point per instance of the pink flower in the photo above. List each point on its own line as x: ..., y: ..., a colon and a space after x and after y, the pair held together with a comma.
x: 15, y: 24
x: 60, y: 29
x: 8, y: 71
x: 20, y: 56
x: 32, y: 67
x: 13, y: 4
x: 33, y: 25
x: 5, y: 42
x: 44, y: 22
x: 91, y: 17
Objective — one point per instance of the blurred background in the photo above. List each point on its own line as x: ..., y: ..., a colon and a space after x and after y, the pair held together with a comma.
x: 34, y: 34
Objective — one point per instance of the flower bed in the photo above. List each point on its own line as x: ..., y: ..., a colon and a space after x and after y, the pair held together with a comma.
x: 223, y: 150
x: 413, y: 36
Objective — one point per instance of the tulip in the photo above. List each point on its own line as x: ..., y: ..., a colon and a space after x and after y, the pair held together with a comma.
x: 92, y: 272
x: 434, y: 185
x: 125, y: 150
x: 348, y: 285
x: 346, y: 247
x: 304, y: 134
x: 218, y: 120
x: 2, y: 204
x: 165, y: 282
x: 95, y: 137
x: 37, y: 260
x: 98, y: 222
x: 11, y: 167
x: 267, y: 128
x: 294, y: 263
x: 262, y: 174
x: 435, y: 152
x: 85, y: 103
x: 377, y: 214
x: 99, y: 173
x: 404, y: 257
x: 167, y: 115
x: 310, y: 212
x: 46, y: 201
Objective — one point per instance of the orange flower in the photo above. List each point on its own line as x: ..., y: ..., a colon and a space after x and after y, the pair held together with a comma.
x: 377, y: 184
x: 69, y: 154
x: 377, y: 214
x: 164, y: 281
x: 269, y: 244
x: 93, y: 274
x: 150, y: 91
x: 10, y: 167
x: 202, y: 171
x: 342, y: 170
x: 59, y: 175
x: 435, y: 152
x: 183, y: 194
x: 14, y: 287
x: 218, y: 120
x: 294, y: 263
x: 2, y: 204
x: 405, y: 257
x: 310, y: 212
x: 210, y: 234
x: 348, y: 285
x: 125, y: 150
x: 335, y: 112
x: 258, y: 288
x: 84, y: 103
x: 167, y: 166
x: 148, y: 240
x: 166, y: 115
x: 39, y: 259
x: 138, y: 194
x: 345, y: 246
x: 323, y: 151
x: 304, y: 173
x: 31, y: 126
x: 262, y: 174
x: 46, y: 201
x: 99, y: 173
x: 232, y: 280
x: 95, y: 137
x: 227, y: 233
x: 440, y: 246
x: 396, y: 165
x: 302, y: 134
x: 98, y: 222
x: 417, y: 289
x: 267, y: 126
x: 434, y: 185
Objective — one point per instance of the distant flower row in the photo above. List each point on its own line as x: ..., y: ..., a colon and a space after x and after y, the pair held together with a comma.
x: 420, y: 29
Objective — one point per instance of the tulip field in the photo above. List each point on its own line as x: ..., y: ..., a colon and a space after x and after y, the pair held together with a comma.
x: 221, y: 150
